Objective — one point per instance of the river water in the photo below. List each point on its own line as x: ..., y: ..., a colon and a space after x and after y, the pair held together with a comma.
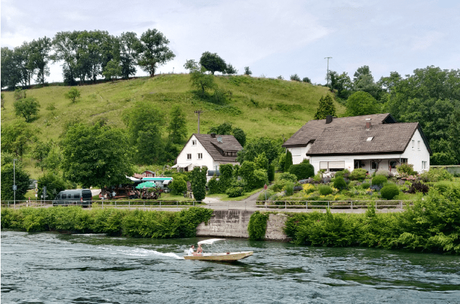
x: 55, y: 268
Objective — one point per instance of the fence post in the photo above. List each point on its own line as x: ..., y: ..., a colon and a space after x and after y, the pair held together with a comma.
x: 328, y: 205
x: 160, y: 204
x: 351, y: 205
x: 285, y: 205
x: 102, y: 204
x: 400, y: 204
x: 306, y: 205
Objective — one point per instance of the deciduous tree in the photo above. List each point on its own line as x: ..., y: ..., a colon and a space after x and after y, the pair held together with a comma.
x: 27, y: 108
x: 361, y: 103
x: 212, y: 62
x: 153, y: 51
x: 96, y: 155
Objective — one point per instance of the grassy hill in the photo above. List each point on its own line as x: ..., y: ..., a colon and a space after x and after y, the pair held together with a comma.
x: 260, y: 106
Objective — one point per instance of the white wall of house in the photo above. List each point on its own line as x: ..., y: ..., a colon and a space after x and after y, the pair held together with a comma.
x: 299, y: 154
x: 416, y: 154
x: 191, y: 154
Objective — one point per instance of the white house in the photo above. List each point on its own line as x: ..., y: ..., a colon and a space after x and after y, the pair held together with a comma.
x: 208, y: 150
x: 373, y: 142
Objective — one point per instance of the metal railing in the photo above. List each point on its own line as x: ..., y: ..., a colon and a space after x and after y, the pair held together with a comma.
x: 129, y: 204
x: 349, y: 204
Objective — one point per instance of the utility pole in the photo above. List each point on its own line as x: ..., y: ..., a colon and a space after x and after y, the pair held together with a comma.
x: 198, y: 112
x: 327, y: 75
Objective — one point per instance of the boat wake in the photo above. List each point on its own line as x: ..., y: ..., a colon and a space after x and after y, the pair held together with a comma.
x: 141, y: 252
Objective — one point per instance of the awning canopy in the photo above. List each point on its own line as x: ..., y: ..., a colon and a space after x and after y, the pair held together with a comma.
x: 133, y: 179
x: 167, y: 182
x: 183, y: 165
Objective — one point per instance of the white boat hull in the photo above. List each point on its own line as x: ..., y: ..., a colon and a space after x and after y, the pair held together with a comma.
x: 220, y: 257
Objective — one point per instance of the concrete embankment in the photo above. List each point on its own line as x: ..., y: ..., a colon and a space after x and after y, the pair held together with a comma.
x: 234, y: 223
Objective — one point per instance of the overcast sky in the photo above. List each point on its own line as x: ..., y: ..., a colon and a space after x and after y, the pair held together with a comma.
x: 273, y: 38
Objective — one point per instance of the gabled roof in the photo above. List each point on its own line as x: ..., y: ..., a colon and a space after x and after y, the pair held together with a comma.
x: 219, y: 145
x: 383, y: 138
x: 314, y: 128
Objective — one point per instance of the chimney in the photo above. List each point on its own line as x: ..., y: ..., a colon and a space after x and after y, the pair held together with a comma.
x: 368, y: 125
x: 213, y: 135
x: 328, y: 119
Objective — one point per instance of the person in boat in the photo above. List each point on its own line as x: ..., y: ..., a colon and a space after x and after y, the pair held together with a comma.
x: 199, y: 250
x: 191, y: 251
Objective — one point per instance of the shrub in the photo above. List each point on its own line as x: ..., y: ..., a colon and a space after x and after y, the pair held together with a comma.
x: 365, y: 185
x: 436, y: 175
x: 265, y: 195
x: 317, y: 178
x: 325, y: 190
x: 289, y: 188
x: 302, y: 170
x: 389, y: 191
x: 271, y: 173
x: 279, y: 185
x: 383, y: 173
x: 344, y: 173
x: 178, y: 186
x: 308, y: 188
x: 379, y: 180
x: 358, y: 174
x: 213, y: 185
x: 288, y: 177
x: 340, y: 183
x: 235, y: 191
x: 418, y: 187
x: 442, y: 186
x: 406, y: 169
x: 257, y: 226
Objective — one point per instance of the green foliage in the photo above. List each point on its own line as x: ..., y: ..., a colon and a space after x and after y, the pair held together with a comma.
x: 287, y: 161
x: 257, y: 226
x: 235, y: 191
x: 240, y: 136
x: 302, y: 170
x: 361, y: 103
x: 198, y: 181
x: 325, y: 190
x: 272, y: 149
x: 406, y: 169
x: 379, y: 180
x: 247, y: 71
x: 288, y: 177
x: 289, y: 188
x: 389, y: 191
x: 295, y: 77
x: 178, y: 186
x: 436, y: 175
x: 145, y: 125
x: 73, y: 94
x: 177, y: 125
x: 340, y: 183
x: 53, y: 183
x: 358, y: 174
x: 213, y: 185
x: 271, y: 173
x: 22, y: 181
x: 152, y: 51
x: 325, y: 107
x: 253, y: 178
x: 27, y: 108
x: 96, y: 155
x: 365, y: 185
x: 17, y: 137
x: 112, y: 69
x: 261, y: 161
x: 212, y: 62
x: 226, y: 177
x: 137, y: 223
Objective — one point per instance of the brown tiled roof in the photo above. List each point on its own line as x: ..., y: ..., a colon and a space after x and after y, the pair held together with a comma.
x: 385, y: 138
x: 314, y: 128
x: 217, y: 149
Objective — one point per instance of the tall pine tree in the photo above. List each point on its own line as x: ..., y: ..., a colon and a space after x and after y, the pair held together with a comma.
x: 326, y: 107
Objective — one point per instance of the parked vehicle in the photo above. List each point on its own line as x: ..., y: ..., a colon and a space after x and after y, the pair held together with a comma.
x: 81, y: 197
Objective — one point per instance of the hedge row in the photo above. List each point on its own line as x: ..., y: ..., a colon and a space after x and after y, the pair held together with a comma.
x: 132, y: 223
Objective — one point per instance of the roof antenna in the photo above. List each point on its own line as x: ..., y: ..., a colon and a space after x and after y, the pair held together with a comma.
x: 198, y: 112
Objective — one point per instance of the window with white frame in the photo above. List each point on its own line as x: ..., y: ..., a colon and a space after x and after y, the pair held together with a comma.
x: 413, y: 144
x: 418, y: 145
x: 200, y: 155
x: 189, y: 155
x: 423, y: 165
x: 193, y: 142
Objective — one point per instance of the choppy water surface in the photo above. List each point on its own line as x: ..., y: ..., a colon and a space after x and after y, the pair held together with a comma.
x: 53, y: 268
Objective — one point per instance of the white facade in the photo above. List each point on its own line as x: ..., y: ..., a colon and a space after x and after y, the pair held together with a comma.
x: 195, y: 155
x: 416, y: 154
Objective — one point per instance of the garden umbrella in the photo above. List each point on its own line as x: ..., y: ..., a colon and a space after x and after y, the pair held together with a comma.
x: 146, y: 185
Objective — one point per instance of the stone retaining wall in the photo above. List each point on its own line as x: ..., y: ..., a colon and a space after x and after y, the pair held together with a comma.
x: 234, y: 223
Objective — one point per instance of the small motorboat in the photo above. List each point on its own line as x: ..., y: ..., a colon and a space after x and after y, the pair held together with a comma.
x: 220, y: 256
